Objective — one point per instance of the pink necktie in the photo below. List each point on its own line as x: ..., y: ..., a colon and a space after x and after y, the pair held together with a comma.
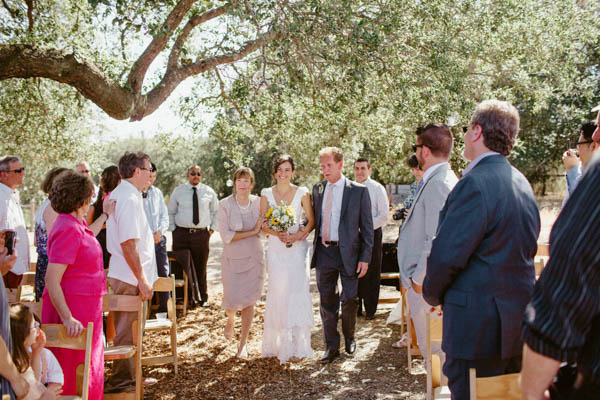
x: 325, y: 235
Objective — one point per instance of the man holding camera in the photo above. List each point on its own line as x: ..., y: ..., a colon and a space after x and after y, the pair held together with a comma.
x: 12, y: 172
x: 433, y: 148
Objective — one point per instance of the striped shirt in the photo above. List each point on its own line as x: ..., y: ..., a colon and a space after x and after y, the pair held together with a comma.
x: 562, y: 321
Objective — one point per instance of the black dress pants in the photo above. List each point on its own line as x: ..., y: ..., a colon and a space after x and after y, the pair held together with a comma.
x: 368, y: 285
x: 197, y: 243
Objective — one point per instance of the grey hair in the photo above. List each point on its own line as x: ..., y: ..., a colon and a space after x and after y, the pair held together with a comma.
x: 6, y: 160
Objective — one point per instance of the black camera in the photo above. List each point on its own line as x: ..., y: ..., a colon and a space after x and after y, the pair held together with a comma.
x: 399, y: 214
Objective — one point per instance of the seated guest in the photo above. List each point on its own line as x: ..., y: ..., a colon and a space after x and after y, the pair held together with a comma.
x: 44, y: 218
x: 75, y: 281
x: 27, y: 352
x: 11, y: 381
x: 576, y: 161
x: 109, y: 180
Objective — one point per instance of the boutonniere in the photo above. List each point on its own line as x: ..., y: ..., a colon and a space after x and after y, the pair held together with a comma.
x: 320, y: 188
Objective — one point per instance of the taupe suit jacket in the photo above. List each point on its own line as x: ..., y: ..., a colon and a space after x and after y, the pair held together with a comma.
x: 420, y: 226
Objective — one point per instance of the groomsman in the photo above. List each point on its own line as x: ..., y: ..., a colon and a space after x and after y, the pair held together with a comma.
x: 481, y: 263
x: 342, y: 247
x: 193, y: 209
x: 433, y: 148
x: 368, y: 285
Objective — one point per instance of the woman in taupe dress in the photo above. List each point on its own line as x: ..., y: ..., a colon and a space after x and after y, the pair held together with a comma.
x: 242, y: 261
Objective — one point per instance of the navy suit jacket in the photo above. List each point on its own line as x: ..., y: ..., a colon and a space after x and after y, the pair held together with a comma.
x: 481, y: 263
x: 355, y: 230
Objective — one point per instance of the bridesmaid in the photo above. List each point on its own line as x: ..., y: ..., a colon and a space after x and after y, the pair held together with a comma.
x: 242, y: 261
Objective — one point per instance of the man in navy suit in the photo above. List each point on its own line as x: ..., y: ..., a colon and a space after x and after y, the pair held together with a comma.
x: 480, y: 268
x: 341, y: 248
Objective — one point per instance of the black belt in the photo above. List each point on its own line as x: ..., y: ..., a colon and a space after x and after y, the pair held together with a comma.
x: 192, y: 230
x: 332, y: 243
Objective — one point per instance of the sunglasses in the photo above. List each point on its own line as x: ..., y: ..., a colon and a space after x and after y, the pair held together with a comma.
x: 584, y: 142
x: 17, y: 171
x: 194, y: 173
x: 415, y: 146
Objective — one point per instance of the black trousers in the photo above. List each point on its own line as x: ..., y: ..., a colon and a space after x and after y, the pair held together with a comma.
x: 197, y: 243
x: 457, y: 371
x: 368, y: 285
x: 162, y: 266
x: 330, y: 298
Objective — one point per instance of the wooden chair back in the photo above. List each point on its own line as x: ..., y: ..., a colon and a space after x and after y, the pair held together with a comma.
x: 27, y: 280
x: 502, y: 387
x: 433, y: 364
x: 56, y: 336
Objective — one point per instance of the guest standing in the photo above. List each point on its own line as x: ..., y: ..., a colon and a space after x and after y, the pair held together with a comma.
x: 368, y: 285
x: 193, y: 209
x: 44, y: 219
x: 84, y: 168
x: 109, y: 180
x: 75, y: 281
x: 242, y: 260
x: 12, y: 172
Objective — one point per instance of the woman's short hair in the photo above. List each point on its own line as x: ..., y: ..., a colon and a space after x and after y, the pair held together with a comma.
x: 20, y: 324
x: 282, y: 160
x: 49, y: 178
x: 243, y: 172
x: 412, y: 161
x: 130, y: 161
x: 70, y: 191
x: 499, y: 121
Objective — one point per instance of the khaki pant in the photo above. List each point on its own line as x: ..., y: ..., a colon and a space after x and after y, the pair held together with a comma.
x: 123, y: 371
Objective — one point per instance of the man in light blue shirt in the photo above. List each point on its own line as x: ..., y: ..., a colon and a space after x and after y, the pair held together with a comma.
x: 158, y: 219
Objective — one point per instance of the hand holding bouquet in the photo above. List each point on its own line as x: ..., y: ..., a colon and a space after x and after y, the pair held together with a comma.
x: 281, y: 218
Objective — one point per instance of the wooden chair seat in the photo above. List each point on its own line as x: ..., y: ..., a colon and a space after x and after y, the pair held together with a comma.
x: 69, y: 397
x: 28, y: 298
x: 389, y: 276
x: 505, y: 387
x: 179, y: 283
x: 119, y: 352
x: 158, y: 324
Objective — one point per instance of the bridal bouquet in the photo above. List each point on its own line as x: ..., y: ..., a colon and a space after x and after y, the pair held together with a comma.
x: 281, y: 218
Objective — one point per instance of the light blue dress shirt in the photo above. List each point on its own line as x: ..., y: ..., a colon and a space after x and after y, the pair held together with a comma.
x: 156, y: 211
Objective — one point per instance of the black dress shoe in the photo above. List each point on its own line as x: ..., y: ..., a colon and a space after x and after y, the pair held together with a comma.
x: 350, y: 346
x: 329, y: 356
x: 370, y: 317
x: 204, y: 304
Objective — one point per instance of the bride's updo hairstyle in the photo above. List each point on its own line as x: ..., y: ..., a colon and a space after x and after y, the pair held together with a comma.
x: 281, y: 160
x: 243, y: 172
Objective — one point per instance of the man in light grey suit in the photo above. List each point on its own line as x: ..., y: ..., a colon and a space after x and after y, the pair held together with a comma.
x: 341, y: 249
x: 433, y: 148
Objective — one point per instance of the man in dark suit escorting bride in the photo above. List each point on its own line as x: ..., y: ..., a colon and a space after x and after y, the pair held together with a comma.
x: 342, y: 247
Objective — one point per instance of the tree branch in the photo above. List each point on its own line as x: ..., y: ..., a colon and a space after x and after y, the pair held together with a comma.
x: 138, y: 72
x: 30, y: 13
x: 10, y: 11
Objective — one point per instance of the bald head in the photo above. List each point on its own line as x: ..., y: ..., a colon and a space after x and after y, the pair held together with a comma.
x: 83, y: 168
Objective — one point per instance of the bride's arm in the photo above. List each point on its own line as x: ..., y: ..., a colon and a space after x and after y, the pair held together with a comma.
x: 264, y: 206
x: 310, y: 216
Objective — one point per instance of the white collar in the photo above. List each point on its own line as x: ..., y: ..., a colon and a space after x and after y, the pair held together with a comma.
x: 427, y: 174
x: 7, y: 189
x: 476, y: 161
x: 342, y: 179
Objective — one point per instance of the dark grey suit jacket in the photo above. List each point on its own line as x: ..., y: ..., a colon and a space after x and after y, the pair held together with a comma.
x: 481, y: 263
x: 356, y: 224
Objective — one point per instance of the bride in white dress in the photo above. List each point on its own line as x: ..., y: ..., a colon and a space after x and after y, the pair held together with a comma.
x: 289, y: 313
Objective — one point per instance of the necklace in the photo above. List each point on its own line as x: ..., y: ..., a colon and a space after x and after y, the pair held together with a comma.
x: 242, y: 207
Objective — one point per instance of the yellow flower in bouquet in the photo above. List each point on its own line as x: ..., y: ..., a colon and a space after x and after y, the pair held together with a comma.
x: 281, y: 218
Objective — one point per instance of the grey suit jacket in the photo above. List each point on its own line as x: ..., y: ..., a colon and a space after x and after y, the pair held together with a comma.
x: 420, y: 226
x: 481, y: 263
x: 356, y: 224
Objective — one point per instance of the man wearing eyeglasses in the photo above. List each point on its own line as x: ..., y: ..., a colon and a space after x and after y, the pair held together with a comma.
x: 84, y: 168
x: 193, y: 209
x: 586, y: 146
x: 12, y: 172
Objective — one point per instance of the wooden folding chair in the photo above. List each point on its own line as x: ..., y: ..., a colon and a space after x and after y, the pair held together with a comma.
x: 182, y: 283
x: 27, y: 280
x: 389, y: 276
x: 170, y: 324
x: 412, y: 347
x: 56, y: 336
x: 541, y: 258
x: 502, y: 387
x: 436, y: 381
x: 6, y: 397
x: 114, y: 302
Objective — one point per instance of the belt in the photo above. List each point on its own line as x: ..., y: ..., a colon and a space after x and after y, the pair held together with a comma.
x: 332, y: 243
x: 192, y: 230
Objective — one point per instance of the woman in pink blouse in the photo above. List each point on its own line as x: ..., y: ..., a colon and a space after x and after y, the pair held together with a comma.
x: 242, y: 261
x: 75, y: 281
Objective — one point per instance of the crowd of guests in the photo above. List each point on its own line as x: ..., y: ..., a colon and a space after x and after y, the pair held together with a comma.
x: 467, y: 245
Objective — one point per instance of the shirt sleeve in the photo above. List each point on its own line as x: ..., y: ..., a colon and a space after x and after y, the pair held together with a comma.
x: 214, y: 210
x: 163, y: 214
x: 172, y: 209
x: 55, y: 373
x: 128, y: 229
x: 223, y: 224
x: 573, y: 176
x: 63, y: 245
x: 382, y: 207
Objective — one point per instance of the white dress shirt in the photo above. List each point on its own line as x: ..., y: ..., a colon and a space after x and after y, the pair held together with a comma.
x: 11, y: 217
x: 181, y: 207
x: 129, y: 221
x: 473, y: 163
x: 380, y: 206
x: 336, y: 207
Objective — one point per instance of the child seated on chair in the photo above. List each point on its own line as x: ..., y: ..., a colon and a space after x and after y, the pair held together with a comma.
x: 36, y: 365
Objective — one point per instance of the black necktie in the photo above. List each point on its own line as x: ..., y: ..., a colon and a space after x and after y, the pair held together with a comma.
x: 195, y: 216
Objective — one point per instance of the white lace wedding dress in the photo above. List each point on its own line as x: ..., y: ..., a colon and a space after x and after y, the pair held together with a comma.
x: 289, y: 315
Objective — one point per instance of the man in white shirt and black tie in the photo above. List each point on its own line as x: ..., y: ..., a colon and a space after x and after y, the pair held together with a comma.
x: 193, y: 209
x: 368, y: 285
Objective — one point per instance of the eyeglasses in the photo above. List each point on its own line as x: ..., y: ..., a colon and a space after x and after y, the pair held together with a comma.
x: 147, y: 169
x: 194, y: 173
x: 16, y: 171
x: 415, y: 146
x: 584, y: 142
x: 36, y: 326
